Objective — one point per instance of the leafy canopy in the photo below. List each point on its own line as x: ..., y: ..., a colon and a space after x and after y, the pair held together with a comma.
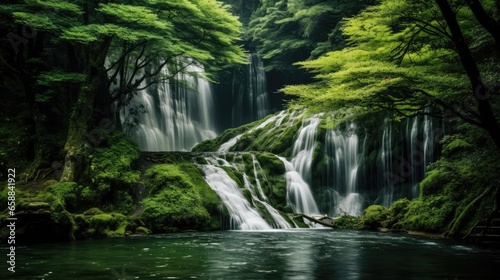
x: 398, y: 57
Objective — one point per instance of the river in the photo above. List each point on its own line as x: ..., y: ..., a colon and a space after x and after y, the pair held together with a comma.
x: 275, y: 254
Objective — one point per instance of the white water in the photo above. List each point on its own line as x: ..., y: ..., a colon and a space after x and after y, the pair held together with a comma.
x: 243, y: 215
x: 346, y: 159
x: 303, y: 148
x: 171, y: 117
x: 279, y: 221
x: 299, y: 195
x: 250, y: 98
x: 384, y: 165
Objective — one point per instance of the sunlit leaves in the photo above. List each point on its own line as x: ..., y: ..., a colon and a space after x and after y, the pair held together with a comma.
x: 133, y: 14
x: 399, y: 57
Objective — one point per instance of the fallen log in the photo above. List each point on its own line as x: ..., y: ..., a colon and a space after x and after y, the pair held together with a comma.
x: 324, y: 221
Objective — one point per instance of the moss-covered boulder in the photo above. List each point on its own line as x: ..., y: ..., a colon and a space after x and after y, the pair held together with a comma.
x: 375, y: 216
x: 179, y: 199
x: 38, y: 221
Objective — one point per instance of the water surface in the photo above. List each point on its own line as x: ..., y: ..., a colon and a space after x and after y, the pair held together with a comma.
x: 277, y: 254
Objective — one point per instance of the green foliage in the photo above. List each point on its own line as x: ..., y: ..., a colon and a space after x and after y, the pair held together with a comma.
x: 397, y: 212
x: 67, y: 193
x: 108, y: 225
x: 398, y: 58
x: 348, y: 222
x: 113, y: 178
x: 453, y: 183
x: 374, y: 216
x: 454, y: 144
x: 287, y: 31
x: 430, y: 215
x: 142, y: 230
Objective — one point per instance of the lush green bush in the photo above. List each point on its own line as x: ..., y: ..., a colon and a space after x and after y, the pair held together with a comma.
x: 467, y: 167
x: 397, y: 212
x: 375, y: 216
x: 348, y: 222
x: 431, y: 214
x: 112, y: 174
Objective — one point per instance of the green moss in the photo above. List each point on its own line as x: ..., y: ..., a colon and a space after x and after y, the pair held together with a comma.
x: 113, y: 176
x: 374, y: 216
x: 108, y: 225
x: 214, y: 144
x: 179, y: 199
x: 248, y: 195
x: 348, y: 222
x: 235, y: 175
x: 454, y: 144
x: 431, y: 215
x: 271, y: 163
x: 397, y: 212
x: 142, y: 230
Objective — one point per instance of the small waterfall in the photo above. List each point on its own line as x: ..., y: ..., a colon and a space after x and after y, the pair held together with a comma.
x: 420, y: 149
x: 343, y: 167
x: 303, y: 148
x: 171, y: 116
x: 279, y: 221
x: 243, y: 216
x: 299, y: 195
x: 250, y: 97
x: 384, y: 165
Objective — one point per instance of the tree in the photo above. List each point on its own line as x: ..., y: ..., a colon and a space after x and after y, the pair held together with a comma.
x: 406, y: 56
x: 118, y: 38
x: 287, y: 31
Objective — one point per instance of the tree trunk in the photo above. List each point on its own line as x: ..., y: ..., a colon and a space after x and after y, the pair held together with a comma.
x: 79, y: 143
x: 480, y: 95
x: 487, y: 21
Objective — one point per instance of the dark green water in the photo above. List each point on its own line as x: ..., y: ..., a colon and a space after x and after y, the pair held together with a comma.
x: 290, y: 254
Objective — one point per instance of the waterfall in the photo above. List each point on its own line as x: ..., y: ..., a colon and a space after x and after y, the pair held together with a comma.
x: 299, y: 195
x: 343, y: 167
x: 250, y: 97
x: 171, y: 116
x: 384, y: 165
x: 420, y: 149
x: 303, y: 148
x: 242, y: 214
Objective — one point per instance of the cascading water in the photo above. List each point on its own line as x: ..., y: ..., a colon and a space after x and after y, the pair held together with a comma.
x: 171, y: 116
x: 343, y: 169
x: 303, y: 148
x: 242, y: 215
x: 384, y: 165
x: 299, y: 195
x: 250, y: 96
x: 420, y: 149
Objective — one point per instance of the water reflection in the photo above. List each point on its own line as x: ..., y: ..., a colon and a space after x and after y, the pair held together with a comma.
x: 274, y: 254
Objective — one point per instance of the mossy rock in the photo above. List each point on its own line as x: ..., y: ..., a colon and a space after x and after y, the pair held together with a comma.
x: 179, y: 199
x: 39, y: 223
x: 375, y: 216
x: 348, y: 222
x: 108, y: 225
x: 142, y: 230
x: 397, y: 212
